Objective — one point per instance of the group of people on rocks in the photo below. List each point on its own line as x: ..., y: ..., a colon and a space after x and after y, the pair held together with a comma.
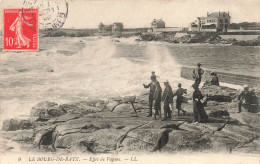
x: 246, y: 98
x: 156, y: 96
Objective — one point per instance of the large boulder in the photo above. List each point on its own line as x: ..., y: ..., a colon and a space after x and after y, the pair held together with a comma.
x: 11, y: 125
x: 55, y: 111
x: 251, y: 119
x: 41, y: 109
x: 218, y: 93
x: 16, y: 124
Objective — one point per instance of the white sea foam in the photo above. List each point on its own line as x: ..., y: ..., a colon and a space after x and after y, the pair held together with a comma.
x: 96, y: 71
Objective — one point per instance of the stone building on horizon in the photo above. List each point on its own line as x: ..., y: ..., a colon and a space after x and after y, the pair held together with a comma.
x: 115, y: 27
x: 158, y: 23
x: 214, y: 22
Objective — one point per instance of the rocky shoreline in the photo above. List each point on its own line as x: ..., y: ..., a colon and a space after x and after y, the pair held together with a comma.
x: 210, y: 38
x: 91, y: 127
x: 170, y: 37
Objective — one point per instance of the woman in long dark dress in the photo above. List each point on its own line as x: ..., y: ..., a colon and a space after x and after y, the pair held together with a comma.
x: 198, y: 106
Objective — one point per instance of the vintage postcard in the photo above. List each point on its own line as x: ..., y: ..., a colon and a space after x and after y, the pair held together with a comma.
x: 129, y: 81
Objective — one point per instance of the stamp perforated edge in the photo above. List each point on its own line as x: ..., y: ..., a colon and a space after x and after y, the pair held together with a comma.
x: 16, y: 50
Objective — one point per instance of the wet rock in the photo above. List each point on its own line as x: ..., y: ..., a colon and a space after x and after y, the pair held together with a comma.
x: 19, y: 135
x: 162, y: 125
x: 149, y: 37
x: 100, y: 141
x: 240, y: 133
x: 67, y: 117
x: 218, y: 93
x: 55, y: 111
x: 251, y: 119
x: 219, y: 113
x: 40, y: 110
x: 145, y: 140
x: 26, y: 124
x: 81, y: 107
x: 11, y: 125
x: 254, y: 42
x: 251, y: 147
x: 195, y: 128
x: 222, y: 144
x: 186, y: 141
x: 81, y: 125
x: 184, y: 39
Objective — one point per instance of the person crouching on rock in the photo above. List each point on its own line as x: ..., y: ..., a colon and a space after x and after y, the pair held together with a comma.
x: 213, y: 81
x: 244, y: 99
x: 167, y: 99
x: 198, y: 105
x: 152, y: 87
x: 157, y: 99
x: 179, y: 92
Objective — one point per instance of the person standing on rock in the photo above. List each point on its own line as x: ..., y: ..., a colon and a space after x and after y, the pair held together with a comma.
x: 167, y: 99
x: 197, y: 73
x: 157, y: 99
x: 179, y: 92
x: 244, y: 99
x: 152, y: 87
x: 198, y: 106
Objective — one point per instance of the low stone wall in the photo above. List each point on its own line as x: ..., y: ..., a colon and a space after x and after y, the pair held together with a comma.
x: 186, y: 72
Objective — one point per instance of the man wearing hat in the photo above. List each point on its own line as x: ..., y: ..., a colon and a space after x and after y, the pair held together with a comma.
x: 179, y: 92
x: 153, y: 76
x: 244, y: 99
x: 152, y: 87
x: 157, y: 99
x: 213, y: 81
x: 197, y: 73
x: 167, y: 99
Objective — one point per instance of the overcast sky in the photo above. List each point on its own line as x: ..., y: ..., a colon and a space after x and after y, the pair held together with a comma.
x: 140, y: 13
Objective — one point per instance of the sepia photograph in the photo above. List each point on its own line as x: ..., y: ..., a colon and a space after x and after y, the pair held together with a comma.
x: 130, y: 81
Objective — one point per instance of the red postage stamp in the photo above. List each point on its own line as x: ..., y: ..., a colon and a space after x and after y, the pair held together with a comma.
x: 20, y: 32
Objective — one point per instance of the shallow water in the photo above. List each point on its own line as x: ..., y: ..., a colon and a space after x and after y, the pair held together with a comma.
x: 73, y: 69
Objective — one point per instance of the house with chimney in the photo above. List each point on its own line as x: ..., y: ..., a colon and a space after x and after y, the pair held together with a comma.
x: 214, y: 22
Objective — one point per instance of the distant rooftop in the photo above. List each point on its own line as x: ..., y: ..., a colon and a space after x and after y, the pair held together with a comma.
x: 216, y: 14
